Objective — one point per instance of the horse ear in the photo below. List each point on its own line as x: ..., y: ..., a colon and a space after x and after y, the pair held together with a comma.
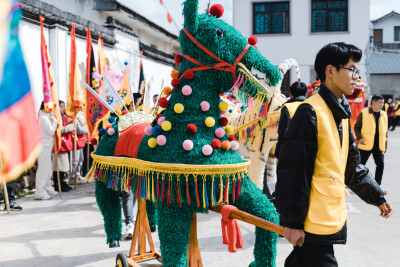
x: 190, y: 14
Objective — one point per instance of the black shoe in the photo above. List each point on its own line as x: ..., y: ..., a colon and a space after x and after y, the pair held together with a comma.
x: 153, y: 229
x: 14, y: 206
x: 113, y: 244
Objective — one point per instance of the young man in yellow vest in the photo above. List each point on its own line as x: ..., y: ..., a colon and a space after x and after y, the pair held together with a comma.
x: 317, y: 159
x: 371, y: 132
x: 297, y: 92
x: 396, y: 113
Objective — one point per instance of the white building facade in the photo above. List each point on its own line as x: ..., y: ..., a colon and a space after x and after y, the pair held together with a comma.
x: 300, y: 28
x: 125, y: 34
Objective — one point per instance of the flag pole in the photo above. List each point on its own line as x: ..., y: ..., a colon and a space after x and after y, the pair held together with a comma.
x: 88, y: 152
x: 6, y: 200
x: 75, y: 163
x: 58, y: 172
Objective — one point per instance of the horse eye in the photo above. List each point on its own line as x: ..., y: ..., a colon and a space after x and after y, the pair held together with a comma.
x: 219, y: 32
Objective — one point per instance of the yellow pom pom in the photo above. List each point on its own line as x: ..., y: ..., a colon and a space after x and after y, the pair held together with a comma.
x: 178, y: 108
x: 210, y: 122
x: 229, y: 130
x: 223, y: 106
x: 166, y: 126
x: 175, y: 74
x: 152, y: 142
x: 167, y: 91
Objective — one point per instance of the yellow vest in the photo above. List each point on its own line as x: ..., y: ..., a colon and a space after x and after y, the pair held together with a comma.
x: 369, y: 127
x: 327, y: 212
x: 397, y: 113
x: 292, y: 107
x: 386, y: 106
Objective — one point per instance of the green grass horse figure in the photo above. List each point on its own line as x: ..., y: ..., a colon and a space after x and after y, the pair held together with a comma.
x: 187, y: 161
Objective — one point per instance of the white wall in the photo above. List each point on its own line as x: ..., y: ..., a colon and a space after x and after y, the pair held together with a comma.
x: 387, y: 25
x: 300, y: 43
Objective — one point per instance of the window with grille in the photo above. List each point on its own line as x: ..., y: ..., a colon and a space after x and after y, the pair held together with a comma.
x: 329, y: 15
x: 397, y: 33
x: 271, y: 17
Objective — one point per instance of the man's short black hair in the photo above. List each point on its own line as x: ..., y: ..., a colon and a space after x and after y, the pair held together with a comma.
x: 398, y: 99
x: 155, y: 95
x: 298, y: 89
x: 377, y: 97
x: 337, y: 55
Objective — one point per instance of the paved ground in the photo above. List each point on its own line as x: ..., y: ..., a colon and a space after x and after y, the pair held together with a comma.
x: 69, y: 231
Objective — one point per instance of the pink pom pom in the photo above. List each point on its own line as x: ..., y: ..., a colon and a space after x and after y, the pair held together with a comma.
x: 223, y: 113
x: 147, y: 130
x: 111, y: 131
x: 160, y: 120
x: 161, y: 140
x: 187, y: 145
x: 234, y: 145
x: 207, y: 150
x: 219, y: 132
x: 205, y: 106
x: 186, y: 90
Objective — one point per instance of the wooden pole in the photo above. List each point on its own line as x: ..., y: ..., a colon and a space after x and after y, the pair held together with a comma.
x: 5, y: 186
x: 75, y: 163
x: 87, y: 155
x: 58, y: 171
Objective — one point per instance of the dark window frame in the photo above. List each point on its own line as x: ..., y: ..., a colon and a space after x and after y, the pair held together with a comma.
x: 396, y: 28
x: 329, y: 10
x: 286, y: 27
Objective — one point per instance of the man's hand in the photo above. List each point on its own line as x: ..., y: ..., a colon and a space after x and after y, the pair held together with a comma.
x: 386, y: 210
x: 294, y: 236
x: 361, y: 141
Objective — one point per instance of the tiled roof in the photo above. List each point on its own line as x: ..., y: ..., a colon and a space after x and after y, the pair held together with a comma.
x: 384, y: 63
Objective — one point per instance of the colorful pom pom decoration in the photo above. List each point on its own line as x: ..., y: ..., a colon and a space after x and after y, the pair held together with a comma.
x: 111, y: 120
x: 93, y: 141
x: 161, y: 140
x: 111, y: 131
x: 175, y: 74
x: 163, y: 102
x: 160, y: 120
x: 108, y: 127
x: 207, y: 150
x: 152, y: 142
x: 232, y: 138
x: 191, y: 128
x: 147, y: 130
x: 229, y: 130
x: 189, y: 74
x: 217, y: 10
x: 124, y: 112
x: 226, y: 145
x: 210, y: 122
x: 166, y: 126
x: 156, y: 130
x: 223, y: 113
x: 175, y: 83
x: 179, y: 108
x: 219, y: 132
x: 178, y: 59
x: 223, y: 122
x: 223, y: 105
x: 187, y: 145
x: 205, y: 106
x: 216, y: 144
x: 252, y: 40
x: 186, y: 90
x: 102, y: 131
x: 167, y: 91
x: 234, y: 145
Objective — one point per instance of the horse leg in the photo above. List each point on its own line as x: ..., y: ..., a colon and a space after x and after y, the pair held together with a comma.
x: 256, y: 169
x: 253, y: 201
x: 173, y: 232
x: 110, y: 207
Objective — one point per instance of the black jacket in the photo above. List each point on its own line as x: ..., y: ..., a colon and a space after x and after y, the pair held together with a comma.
x: 284, y: 121
x: 296, y: 166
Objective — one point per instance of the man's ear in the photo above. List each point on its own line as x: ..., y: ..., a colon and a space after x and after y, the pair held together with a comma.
x: 329, y: 70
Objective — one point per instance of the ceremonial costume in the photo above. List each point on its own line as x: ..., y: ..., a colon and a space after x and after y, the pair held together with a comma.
x: 317, y: 159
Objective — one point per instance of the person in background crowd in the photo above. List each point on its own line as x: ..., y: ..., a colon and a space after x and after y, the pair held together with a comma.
x: 155, y: 98
x: 318, y: 157
x: 48, y: 126
x: 396, y: 113
x: 371, y: 132
x: 11, y: 197
x: 62, y: 155
x: 137, y: 102
x: 81, y: 131
x: 387, y: 105
x: 390, y: 113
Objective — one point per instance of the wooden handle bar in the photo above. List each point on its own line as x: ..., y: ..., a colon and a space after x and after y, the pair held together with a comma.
x: 248, y: 218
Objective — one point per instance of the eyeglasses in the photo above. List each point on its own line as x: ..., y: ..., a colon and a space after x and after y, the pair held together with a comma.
x: 356, y: 72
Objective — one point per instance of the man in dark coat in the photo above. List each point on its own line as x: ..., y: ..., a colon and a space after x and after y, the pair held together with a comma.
x: 310, y: 201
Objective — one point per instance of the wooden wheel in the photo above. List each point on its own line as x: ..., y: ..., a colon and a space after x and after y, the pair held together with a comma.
x: 121, y: 261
